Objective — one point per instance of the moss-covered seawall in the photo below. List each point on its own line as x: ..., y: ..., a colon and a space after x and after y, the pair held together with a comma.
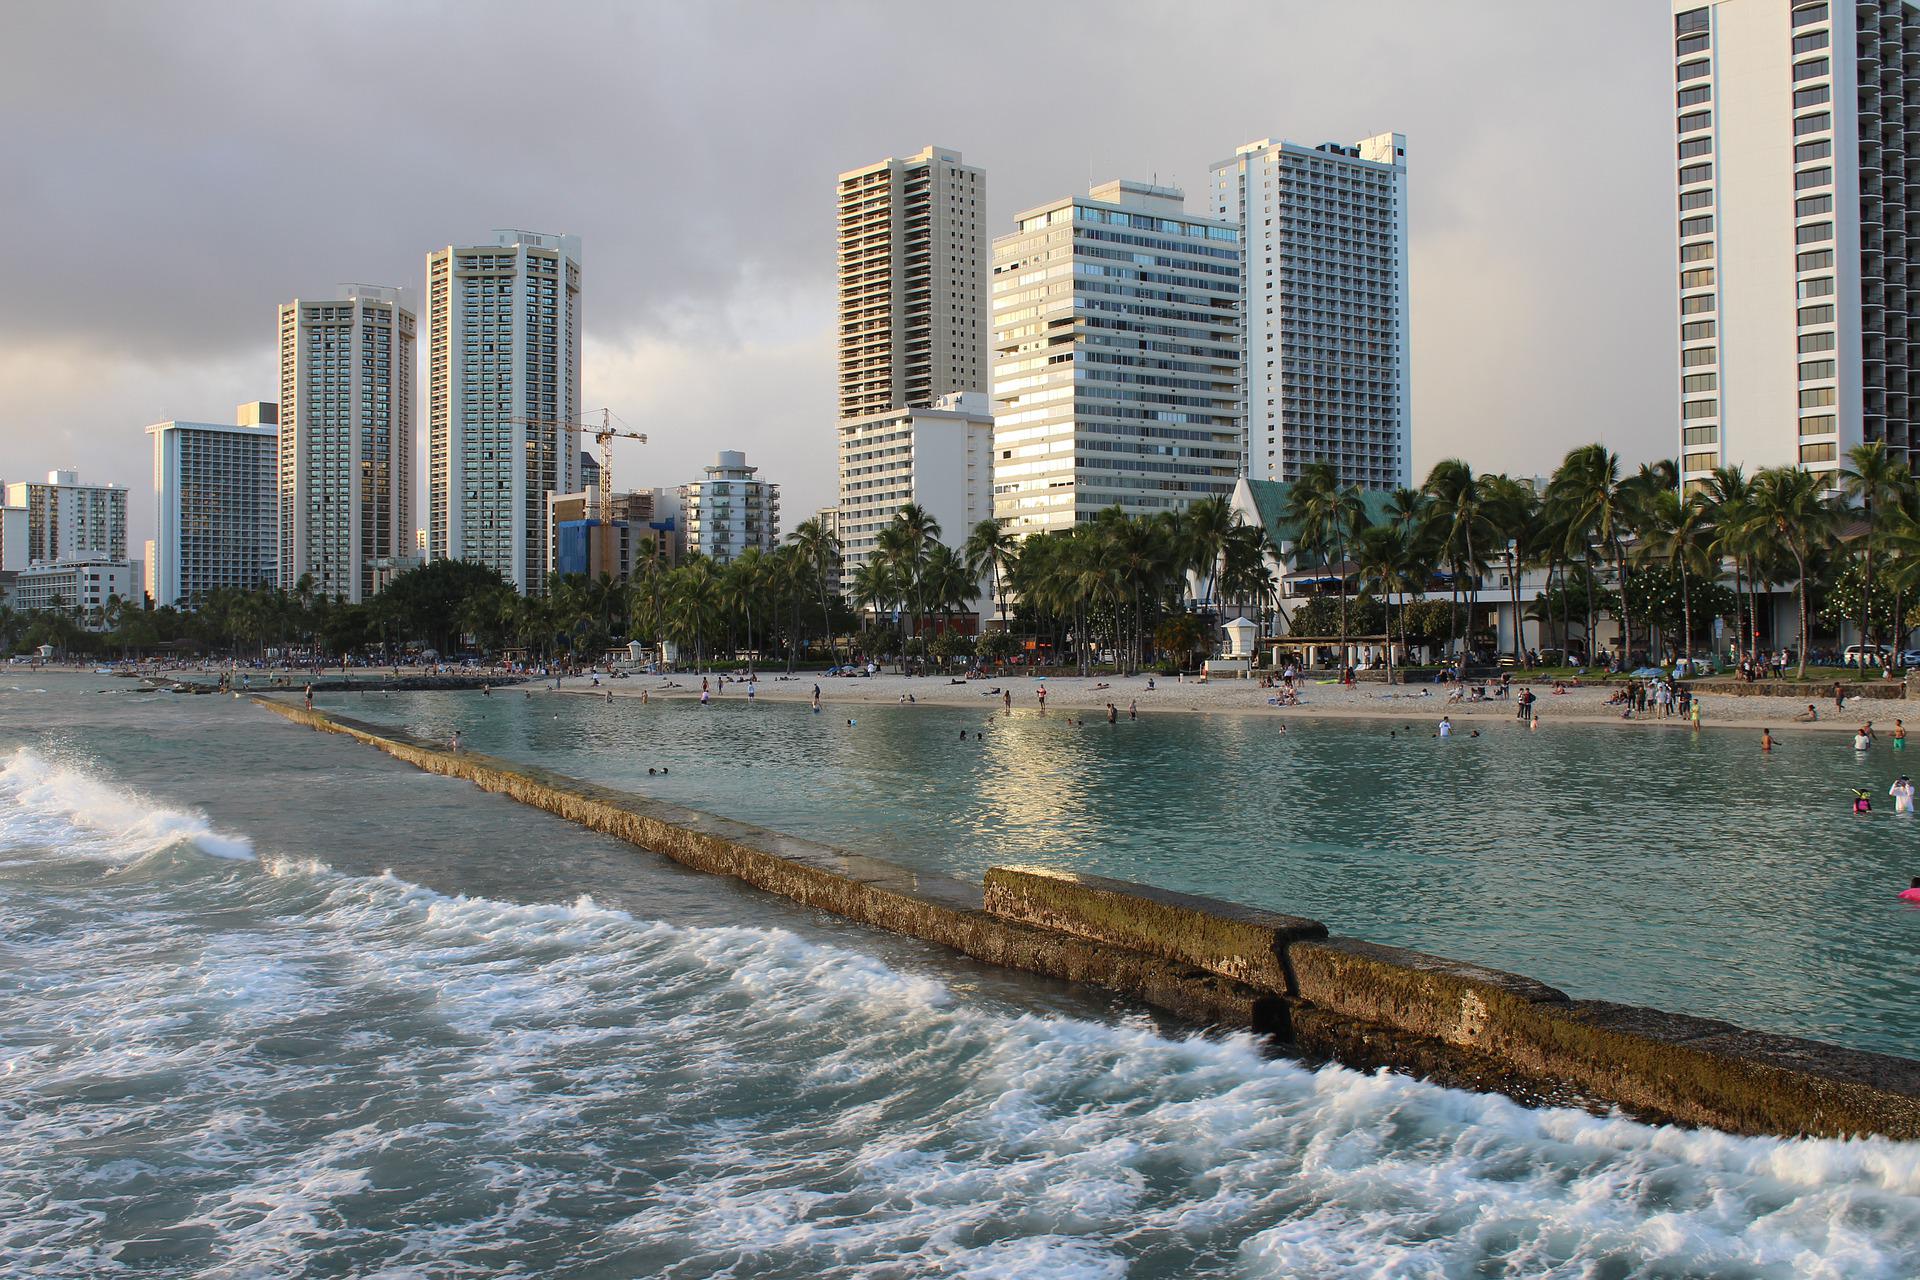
x: 1220, y: 964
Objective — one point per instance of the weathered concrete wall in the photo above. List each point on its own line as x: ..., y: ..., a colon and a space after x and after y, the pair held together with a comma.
x: 1236, y: 942
x: 1221, y: 964
x: 1819, y: 694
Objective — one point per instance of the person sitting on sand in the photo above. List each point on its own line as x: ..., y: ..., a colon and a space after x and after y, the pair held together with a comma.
x: 1812, y: 713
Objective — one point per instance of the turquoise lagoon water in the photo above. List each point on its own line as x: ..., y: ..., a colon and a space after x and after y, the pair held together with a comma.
x: 273, y: 1004
x: 1682, y: 871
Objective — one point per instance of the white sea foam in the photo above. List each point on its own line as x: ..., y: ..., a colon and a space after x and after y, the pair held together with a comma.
x: 79, y: 814
x: 581, y: 1089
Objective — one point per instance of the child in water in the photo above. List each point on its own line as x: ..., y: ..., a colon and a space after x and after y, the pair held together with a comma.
x: 1912, y: 892
x: 1862, y: 803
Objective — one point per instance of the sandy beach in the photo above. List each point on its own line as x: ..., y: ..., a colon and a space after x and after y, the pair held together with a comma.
x: 1586, y: 704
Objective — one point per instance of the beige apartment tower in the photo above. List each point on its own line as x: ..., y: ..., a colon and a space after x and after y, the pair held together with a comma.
x: 503, y: 399
x: 913, y: 261
x: 345, y: 438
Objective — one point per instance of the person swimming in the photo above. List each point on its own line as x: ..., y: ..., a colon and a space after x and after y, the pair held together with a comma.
x: 1902, y: 793
x: 1862, y: 802
x: 1912, y: 892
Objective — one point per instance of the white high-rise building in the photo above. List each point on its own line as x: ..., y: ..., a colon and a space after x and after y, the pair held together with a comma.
x: 217, y: 493
x: 346, y: 438
x: 1798, y: 188
x: 1117, y: 358
x: 68, y: 521
x: 730, y: 510
x: 913, y: 282
x: 940, y: 458
x: 1325, y: 234
x: 503, y: 399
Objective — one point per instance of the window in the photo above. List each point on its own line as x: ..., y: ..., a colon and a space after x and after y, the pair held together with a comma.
x: 1819, y: 424
x: 1816, y: 342
x: 1689, y: 44
x: 1698, y: 251
x: 1696, y: 173
x: 1694, y: 357
x: 1801, y: 17
x: 1695, y: 122
x: 1816, y: 315
x: 1819, y: 452
x: 1806, y: 178
x: 1818, y: 287
x: 1698, y: 382
x: 1816, y: 397
x: 1809, y: 42
x: 1685, y: 24
x: 1811, y: 97
x: 1695, y: 304
x: 1694, y: 70
x: 1811, y: 69
x: 1690, y: 227
x: 1698, y: 200
x: 1818, y: 122
x: 1699, y: 279
x: 1699, y: 435
x: 1695, y: 147
x: 1701, y: 461
x: 1814, y: 370
x: 1812, y: 233
x: 1693, y: 97
x: 1813, y: 151
x: 1808, y: 206
x: 1818, y: 260
x: 1696, y: 330
x: 1698, y: 409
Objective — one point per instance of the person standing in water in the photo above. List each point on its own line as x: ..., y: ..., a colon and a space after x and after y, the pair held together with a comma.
x: 1899, y: 734
x: 1902, y: 793
x: 1863, y: 737
x: 1766, y: 741
x: 454, y: 743
x: 1446, y: 727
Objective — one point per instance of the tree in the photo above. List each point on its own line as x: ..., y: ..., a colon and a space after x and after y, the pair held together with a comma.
x: 990, y: 551
x: 819, y: 548
x: 1326, y: 513
x: 1588, y: 489
x: 1461, y: 530
x: 1676, y: 533
x: 1787, y: 502
x: 1879, y: 483
x: 1389, y: 564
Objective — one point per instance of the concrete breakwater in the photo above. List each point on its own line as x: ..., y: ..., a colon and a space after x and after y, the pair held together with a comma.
x: 1220, y: 964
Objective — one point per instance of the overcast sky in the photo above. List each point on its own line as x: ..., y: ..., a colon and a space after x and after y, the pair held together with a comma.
x: 173, y: 171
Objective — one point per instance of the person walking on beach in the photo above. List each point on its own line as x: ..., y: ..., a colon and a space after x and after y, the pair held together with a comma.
x: 1839, y: 696
x: 1041, y: 693
x: 309, y: 697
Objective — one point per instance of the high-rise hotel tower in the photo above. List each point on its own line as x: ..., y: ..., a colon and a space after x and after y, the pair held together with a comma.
x: 1797, y: 152
x: 1117, y: 358
x: 913, y: 282
x: 346, y: 438
x: 503, y: 398
x: 1325, y: 233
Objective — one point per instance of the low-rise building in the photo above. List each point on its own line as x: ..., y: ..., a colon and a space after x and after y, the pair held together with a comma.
x: 83, y: 588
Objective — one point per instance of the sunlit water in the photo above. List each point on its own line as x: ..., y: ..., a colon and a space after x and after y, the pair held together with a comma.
x: 1660, y: 867
x: 272, y: 1004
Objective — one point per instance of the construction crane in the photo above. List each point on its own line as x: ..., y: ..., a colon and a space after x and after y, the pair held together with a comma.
x: 604, y: 435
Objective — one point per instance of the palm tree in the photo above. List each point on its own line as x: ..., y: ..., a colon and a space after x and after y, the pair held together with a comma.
x: 1513, y: 517
x: 1389, y: 563
x: 1588, y: 488
x: 1728, y: 494
x: 1678, y: 533
x: 1462, y: 531
x: 1206, y: 526
x: 1788, y: 502
x: 990, y: 551
x: 819, y: 547
x: 1879, y: 483
x: 1326, y: 513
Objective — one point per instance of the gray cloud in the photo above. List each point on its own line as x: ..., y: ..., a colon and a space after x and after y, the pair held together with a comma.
x: 175, y: 170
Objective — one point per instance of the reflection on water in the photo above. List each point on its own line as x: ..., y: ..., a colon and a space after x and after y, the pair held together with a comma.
x: 1658, y: 867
